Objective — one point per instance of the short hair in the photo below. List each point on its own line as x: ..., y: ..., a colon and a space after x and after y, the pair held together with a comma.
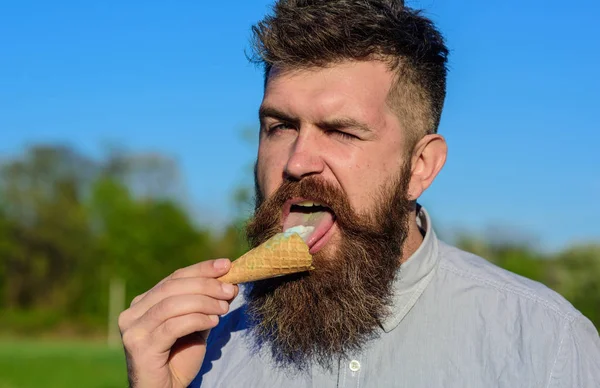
x: 318, y: 33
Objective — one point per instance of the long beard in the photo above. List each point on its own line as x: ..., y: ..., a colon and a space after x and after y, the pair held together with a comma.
x: 338, y: 307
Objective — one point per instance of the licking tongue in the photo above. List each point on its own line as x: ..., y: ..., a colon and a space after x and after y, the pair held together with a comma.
x: 315, y: 224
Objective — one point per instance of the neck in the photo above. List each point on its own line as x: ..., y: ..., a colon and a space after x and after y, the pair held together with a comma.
x: 413, y: 239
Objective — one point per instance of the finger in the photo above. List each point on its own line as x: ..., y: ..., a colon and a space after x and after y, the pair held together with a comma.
x: 236, y: 291
x: 179, y: 305
x: 165, y: 335
x: 183, y: 286
x: 205, y: 269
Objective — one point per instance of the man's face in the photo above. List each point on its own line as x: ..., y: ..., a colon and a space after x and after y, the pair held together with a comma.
x: 331, y: 124
x: 329, y: 137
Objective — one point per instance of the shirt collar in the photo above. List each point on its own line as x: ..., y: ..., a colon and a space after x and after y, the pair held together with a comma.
x: 414, y: 274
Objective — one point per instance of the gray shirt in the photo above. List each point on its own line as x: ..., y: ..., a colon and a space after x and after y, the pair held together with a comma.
x: 458, y: 321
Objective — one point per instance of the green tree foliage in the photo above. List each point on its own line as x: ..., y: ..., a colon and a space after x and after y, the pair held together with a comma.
x: 70, y: 224
x: 578, y: 271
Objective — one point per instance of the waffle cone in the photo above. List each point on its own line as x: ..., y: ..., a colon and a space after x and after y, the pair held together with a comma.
x: 280, y: 255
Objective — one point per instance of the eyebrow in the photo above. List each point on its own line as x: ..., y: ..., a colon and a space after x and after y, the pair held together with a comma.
x: 267, y: 111
x: 336, y: 123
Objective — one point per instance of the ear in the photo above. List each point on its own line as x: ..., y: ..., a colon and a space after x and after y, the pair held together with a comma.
x: 428, y: 158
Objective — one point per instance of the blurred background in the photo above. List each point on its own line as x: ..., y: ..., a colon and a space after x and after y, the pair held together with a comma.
x: 128, y: 131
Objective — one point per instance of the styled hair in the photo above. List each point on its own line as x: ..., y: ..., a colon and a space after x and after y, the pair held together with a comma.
x: 302, y: 34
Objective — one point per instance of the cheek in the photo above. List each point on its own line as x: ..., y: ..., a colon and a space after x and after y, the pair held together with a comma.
x: 269, y: 170
x: 363, y: 180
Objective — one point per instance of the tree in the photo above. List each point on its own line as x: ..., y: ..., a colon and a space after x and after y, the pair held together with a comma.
x: 578, y: 274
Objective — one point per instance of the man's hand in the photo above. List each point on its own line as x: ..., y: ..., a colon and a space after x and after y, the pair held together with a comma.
x: 164, y: 331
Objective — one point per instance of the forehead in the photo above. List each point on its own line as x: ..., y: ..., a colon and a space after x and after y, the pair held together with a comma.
x: 357, y: 89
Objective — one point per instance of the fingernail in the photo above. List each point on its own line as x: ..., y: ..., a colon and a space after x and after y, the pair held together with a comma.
x: 221, y: 263
x: 227, y: 288
x: 214, y: 318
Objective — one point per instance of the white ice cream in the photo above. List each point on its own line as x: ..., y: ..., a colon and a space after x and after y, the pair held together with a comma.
x: 303, y: 231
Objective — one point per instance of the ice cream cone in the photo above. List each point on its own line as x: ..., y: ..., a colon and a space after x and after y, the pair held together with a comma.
x: 282, y: 254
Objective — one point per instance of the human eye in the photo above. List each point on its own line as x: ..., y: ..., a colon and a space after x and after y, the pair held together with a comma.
x: 342, y: 134
x: 278, y: 127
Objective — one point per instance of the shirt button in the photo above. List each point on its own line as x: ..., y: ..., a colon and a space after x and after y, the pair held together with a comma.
x: 354, y: 366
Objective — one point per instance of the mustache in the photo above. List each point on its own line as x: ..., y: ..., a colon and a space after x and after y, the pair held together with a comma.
x: 267, y: 219
x: 310, y: 187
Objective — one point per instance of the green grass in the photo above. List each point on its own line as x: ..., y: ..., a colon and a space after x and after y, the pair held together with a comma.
x: 64, y: 364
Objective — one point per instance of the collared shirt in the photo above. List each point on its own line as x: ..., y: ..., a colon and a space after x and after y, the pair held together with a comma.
x: 458, y: 321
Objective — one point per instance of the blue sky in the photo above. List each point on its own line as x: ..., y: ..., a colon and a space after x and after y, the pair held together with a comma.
x: 520, y: 117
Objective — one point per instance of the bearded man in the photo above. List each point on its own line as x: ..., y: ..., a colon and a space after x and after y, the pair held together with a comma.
x: 353, y: 96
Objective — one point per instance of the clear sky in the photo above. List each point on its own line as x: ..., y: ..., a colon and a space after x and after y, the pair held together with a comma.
x: 520, y: 117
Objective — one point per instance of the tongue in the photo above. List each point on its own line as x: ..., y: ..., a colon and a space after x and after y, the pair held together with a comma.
x: 321, y: 222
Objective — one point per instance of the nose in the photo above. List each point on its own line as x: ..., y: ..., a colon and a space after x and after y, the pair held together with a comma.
x: 305, y: 158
